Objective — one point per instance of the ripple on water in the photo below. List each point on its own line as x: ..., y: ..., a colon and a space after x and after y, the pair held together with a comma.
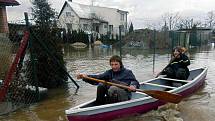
x: 168, y: 112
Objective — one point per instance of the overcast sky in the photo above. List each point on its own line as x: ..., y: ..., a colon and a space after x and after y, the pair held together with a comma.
x: 142, y: 13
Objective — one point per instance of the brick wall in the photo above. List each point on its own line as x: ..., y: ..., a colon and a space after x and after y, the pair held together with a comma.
x: 3, y: 20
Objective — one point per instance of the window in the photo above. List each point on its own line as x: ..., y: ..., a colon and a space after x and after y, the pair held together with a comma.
x: 97, y: 29
x: 105, y: 26
x: 122, y: 17
x: 68, y: 14
x: 122, y: 28
x: 110, y: 28
x: 85, y: 26
x: 93, y: 15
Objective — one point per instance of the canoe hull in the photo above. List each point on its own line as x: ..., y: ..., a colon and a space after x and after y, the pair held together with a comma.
x: 194, y: 88
x: 117, y: 113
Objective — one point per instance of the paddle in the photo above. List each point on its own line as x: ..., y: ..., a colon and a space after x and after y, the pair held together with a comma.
x: 183, y: 51
x: 161, y: 95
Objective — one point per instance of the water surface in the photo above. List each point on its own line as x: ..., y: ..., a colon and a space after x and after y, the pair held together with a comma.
x: 92, y: 60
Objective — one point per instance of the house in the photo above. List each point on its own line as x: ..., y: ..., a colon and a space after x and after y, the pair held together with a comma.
x: 3, y: 16
x: 92, y: 19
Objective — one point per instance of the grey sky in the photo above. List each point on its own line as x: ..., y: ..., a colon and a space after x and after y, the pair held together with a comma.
x: 141, y: 12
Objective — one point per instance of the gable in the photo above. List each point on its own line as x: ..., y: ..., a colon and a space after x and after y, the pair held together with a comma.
x: 83, y: 11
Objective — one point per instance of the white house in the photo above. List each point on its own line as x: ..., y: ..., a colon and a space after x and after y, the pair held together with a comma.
x: 92, y: 19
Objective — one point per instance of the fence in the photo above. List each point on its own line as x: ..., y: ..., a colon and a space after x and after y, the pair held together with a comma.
x: 31, y: 63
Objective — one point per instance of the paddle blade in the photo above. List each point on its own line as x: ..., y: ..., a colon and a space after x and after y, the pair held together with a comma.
x: 162, y: 95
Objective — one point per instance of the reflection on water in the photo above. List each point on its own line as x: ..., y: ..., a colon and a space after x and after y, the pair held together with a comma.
x: 92, y: 60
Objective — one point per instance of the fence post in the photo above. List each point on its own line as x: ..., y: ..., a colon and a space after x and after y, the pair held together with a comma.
x: 154, y: 46
x: 32, y: 58
x: 120, y: 40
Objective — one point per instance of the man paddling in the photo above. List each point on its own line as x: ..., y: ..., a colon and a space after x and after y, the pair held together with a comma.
x: 117, y: 74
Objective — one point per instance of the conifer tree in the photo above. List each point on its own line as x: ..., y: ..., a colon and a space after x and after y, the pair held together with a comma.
x: 43, y: 14
x: 131, y: 28
x: 48, y: 54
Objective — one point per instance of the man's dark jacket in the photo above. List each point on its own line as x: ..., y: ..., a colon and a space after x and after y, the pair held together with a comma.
x: 124, y: 76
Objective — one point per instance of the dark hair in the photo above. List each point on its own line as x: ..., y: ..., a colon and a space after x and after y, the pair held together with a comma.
x: 178, y: 48
x: 117, y: 59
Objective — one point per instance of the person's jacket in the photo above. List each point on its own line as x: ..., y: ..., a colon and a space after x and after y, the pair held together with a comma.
x: 181, y: 62
x: 124, y: 76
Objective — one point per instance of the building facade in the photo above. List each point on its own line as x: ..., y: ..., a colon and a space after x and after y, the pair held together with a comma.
x: 92, y: 19
x: 193, y: 37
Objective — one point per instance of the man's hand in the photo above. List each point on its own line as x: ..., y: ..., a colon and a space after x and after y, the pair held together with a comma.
x: 132, y: 88
x: 81, y: 76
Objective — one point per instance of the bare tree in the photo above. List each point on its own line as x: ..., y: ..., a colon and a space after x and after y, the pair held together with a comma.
x: 211, y: 19
x: 188, y: 23
x: 171, y: 20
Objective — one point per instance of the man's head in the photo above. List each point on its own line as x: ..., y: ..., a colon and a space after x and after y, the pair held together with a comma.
x: 116, y: 63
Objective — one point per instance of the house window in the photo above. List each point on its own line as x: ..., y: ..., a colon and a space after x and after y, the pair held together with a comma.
x: 68, y: 14
x: 110, y: 28
x: 122, y: 17
x: 97, y: 29
x: 122, y: 28
x: 85, y: 26
x: 93, y: 15
x: 105, y: 26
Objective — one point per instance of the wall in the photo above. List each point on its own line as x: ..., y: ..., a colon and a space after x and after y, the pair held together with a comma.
x: 65, y: 19
x: 112, y: 16
x: 3, y: 20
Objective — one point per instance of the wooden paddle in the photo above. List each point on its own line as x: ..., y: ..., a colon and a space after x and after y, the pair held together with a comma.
x: 161, y: 95
x: 183, y: 51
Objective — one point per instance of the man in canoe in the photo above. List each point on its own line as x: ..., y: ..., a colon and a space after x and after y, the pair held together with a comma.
x: 117, y: 74
x: 177, y: 68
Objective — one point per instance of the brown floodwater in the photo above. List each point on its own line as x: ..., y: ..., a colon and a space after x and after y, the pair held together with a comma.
x: 198, y: 107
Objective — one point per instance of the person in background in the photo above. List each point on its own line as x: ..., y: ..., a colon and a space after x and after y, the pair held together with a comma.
x: 178, y: 66
x: 117, y: 74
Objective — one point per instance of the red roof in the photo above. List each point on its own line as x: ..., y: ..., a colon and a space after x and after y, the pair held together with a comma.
x: 8, y: 2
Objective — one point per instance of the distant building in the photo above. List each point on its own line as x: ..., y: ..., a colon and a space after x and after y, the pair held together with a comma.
x: 92, y: 19
x: 194, y: 37
x: 3, y: 15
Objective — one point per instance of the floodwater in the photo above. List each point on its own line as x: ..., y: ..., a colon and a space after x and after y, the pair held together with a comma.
x: 198, y: 107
